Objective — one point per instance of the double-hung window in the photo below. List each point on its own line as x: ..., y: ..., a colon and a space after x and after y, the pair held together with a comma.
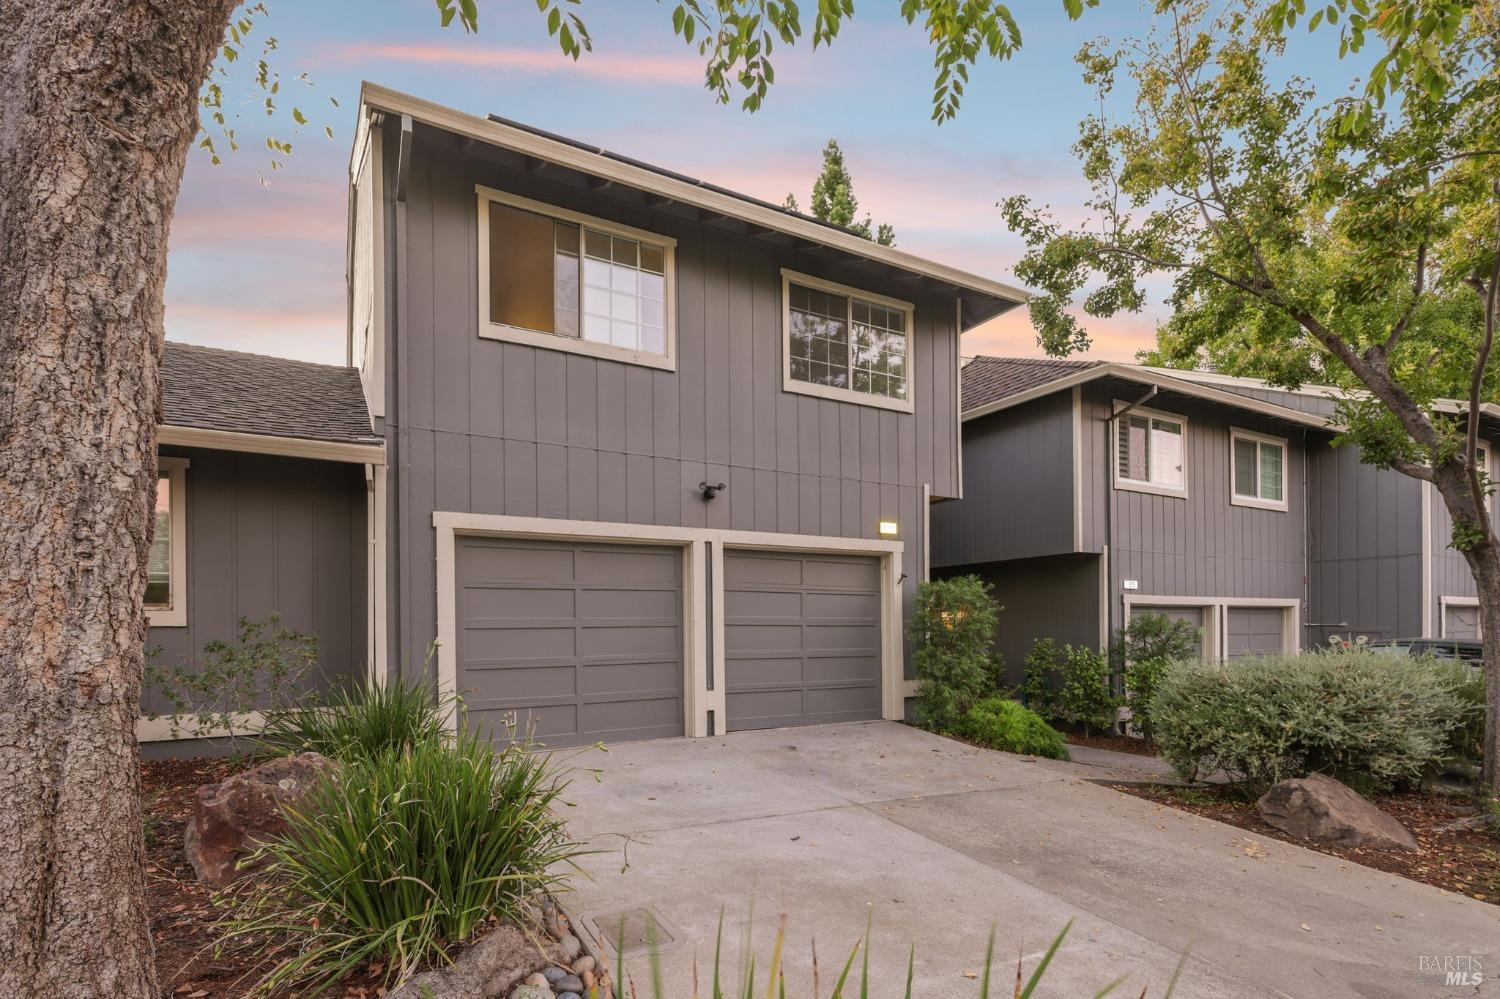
x: 1150, y: 453
x: 847, y: 344
x: 1258, y: 468
x: 553, y: 278
x: 166, y: 562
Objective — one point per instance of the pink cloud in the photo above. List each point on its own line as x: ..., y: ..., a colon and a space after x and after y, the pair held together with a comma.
x: 1011, y: 335
x: 307, y: 334
x: 630, y: 69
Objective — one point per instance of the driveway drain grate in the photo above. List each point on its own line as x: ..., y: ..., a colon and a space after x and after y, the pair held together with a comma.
x: 642, y: 929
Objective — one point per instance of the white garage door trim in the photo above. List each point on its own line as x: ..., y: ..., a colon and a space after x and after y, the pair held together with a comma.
x: 703, y: 550
x: 1216, y: 618
x: 1444, y: 603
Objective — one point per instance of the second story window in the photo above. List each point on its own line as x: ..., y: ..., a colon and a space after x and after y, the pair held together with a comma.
x: 842, y: 343
x: 1150, y: 452
x: 557, y: 279
x: 1259, y: 470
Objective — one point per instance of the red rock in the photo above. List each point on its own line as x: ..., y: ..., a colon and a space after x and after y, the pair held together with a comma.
x: 232, y: 818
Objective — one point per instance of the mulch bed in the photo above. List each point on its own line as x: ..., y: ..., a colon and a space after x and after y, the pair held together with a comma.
x: 1116, y: 743
x: 1466, y: 861
x: 186, y: 925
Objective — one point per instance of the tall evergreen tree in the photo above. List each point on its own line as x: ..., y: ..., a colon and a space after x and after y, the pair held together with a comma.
x: 833, y: 199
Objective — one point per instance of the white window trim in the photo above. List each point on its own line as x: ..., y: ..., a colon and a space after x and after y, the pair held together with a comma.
x: 790, y: 384
x: 551, y: 341
x: 1235, y: 499
x: 175, y: 616
x: 1136, y: 485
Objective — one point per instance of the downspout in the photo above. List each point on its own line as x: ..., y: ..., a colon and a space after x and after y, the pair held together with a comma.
x: 1109, y: 508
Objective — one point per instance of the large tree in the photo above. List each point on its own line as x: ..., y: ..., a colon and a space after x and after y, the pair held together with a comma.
x: 100, y: 102
x: 833, y: 199
x: 1358, y: 237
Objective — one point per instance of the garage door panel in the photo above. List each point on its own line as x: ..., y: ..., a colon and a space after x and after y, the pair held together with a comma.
x: 499, y: 643
x: 748, y: 570
x: 628, y: 679
x: 629, y: 603
x: 760, y: 636
x: 583, y: 640
x: 1460, y: 621
x: 501, y: 603
x: 863, y: 606
x: 802, y: 639
x: 843, y: 637
x: 508, y: 562
x: 625, y: 566
x: 842, y: 574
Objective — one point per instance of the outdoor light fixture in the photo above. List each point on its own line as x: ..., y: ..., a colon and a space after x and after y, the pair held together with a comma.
x: 708, y: 491
x: 889, y: 527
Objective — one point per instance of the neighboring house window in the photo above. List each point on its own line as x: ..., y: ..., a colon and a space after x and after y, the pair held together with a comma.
x: 847, y: 344
x: 1258, y: 467
x: 557, y: 279
x: 1150, y: 452
x: 166, y: 563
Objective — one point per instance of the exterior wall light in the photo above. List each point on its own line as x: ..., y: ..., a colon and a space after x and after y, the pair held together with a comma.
x: 889, y: 528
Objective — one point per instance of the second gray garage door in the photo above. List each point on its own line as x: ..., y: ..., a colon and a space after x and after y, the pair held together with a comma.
x: 802, y: 639
x: 1256, y: 631
x: 1460, y: 621
x: 583, y: 641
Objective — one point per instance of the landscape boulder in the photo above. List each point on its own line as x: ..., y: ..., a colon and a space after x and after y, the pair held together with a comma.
x: 232, y: 818
x: 496, y: 966
x: 1320, y: 808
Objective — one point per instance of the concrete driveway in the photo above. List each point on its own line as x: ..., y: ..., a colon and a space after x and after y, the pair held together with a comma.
x: 936, y: 842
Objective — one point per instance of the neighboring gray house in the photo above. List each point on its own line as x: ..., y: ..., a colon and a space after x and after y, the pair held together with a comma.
x: 1097, y: 491
x: 650, y: 458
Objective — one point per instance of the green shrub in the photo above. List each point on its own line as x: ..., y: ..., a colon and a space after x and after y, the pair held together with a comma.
x: 1084, y: 696
x: 265, y: 669
x: 404, y: 854
x: 362, y: 723
x: 952, y: 630
x: 1370, y: 721
x: 1000, y: 723
x: 1466, y: 741
x: 1043, y: 663
x: 1142, y: 651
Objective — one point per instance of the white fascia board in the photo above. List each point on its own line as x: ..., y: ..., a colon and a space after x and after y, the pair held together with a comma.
x: 1150, y: 376
x: 374, y: 97
x: 291, y: 447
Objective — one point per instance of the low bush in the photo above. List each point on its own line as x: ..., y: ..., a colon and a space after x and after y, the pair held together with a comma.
x: 1069, y: 685
x: 362, y: 723
x: 1370, y: 721
x: 1466, y: 741
x: 952, y: 630
x: 406, y: 853
x: 1000, y: 723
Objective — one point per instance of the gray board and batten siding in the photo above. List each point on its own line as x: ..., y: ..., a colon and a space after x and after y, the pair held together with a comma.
x: 269, y: 534
x: 478, y: 426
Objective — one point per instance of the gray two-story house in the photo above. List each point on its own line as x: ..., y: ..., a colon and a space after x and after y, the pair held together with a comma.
x: 647, y: 457
x: 1096, y: 491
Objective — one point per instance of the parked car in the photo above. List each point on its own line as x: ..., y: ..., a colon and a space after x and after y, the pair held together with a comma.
x: 1467, y: 650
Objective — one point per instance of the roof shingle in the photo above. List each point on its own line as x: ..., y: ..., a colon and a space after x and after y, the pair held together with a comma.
x: 212, y: 389
x: 987, y: 380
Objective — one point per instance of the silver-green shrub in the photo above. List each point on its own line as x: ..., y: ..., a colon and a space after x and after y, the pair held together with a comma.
x: 1370, y: 721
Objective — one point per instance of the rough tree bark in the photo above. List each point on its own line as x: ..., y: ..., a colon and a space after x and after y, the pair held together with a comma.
x: 98, y: 109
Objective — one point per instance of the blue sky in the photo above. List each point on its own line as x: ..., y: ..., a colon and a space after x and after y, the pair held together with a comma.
x: 257, y: 257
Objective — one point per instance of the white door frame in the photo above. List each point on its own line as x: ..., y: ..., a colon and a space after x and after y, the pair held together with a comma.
x: 1216, y: 618
x: 1444, y: 603
x: 701, y: 548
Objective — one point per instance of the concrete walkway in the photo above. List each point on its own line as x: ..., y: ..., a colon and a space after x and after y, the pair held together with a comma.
x: 937, y: 841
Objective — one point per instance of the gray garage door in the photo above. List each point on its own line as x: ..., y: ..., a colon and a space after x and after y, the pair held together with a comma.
x: 801, y: 639
x: 1255, y: 631
x: 1460, y: 622
x: 582, y: 641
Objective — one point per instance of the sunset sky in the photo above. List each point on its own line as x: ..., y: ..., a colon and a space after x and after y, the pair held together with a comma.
x: 257, y: 260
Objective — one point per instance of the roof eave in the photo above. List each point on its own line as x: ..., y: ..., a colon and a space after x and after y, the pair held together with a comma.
x: 358, y: 452
x: 1146, y: 376
x: 378, y: 98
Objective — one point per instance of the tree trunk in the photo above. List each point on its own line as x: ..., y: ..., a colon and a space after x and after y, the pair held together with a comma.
x: 98, y: 109
x: 1483, y: 557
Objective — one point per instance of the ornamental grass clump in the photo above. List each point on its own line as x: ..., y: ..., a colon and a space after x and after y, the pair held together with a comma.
x: 362, y: 723
x: 1373, y: 722
x: 406, y: 853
